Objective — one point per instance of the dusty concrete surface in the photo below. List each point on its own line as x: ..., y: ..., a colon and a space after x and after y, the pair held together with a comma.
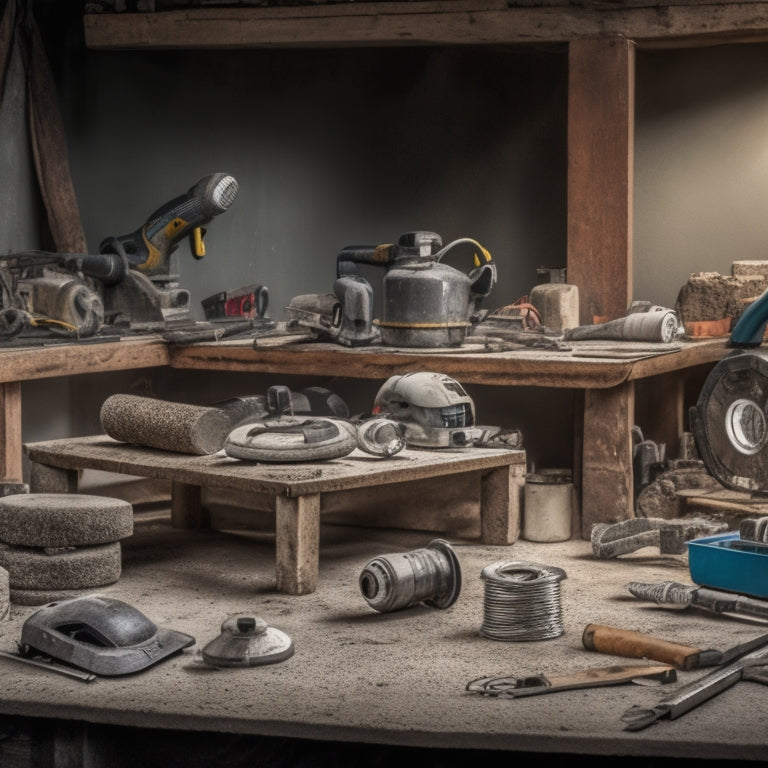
x: 397, y: 679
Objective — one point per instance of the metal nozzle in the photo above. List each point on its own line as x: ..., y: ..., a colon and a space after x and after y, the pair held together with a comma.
x: 431, y: 575
x: 381, y: 437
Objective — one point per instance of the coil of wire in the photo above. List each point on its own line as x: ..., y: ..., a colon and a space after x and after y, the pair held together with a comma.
x: 522, y: 602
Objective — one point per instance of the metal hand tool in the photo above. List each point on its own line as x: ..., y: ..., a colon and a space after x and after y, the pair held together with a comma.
x: 46, y: 663
x: 715, y: 600
x: 625, y: 642
x: 748, y: 667
x: 516, y: 687
x: 670, y: 536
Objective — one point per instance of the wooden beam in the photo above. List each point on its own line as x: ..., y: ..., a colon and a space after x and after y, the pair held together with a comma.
x: 10, y: 431
x: 427, y: 23
x: 607, y: 484
x: 601, y: 99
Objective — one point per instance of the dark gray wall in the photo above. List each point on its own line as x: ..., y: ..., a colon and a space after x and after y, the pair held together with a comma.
x: 329, y: 148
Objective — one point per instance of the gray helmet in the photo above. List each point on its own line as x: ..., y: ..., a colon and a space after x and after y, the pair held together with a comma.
x: 435, y: 409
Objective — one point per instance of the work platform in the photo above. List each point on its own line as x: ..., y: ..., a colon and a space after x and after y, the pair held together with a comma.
x: 368, y: 688
x: 297, y: 493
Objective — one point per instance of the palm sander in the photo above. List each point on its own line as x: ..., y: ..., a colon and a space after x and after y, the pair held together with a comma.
x: 729, y: 421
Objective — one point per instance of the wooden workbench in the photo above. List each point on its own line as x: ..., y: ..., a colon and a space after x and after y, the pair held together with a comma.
x: 605, y: 372
x: 294, y: 492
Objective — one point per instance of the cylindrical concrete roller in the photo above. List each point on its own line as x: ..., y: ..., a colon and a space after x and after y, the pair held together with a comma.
x: 78, y: 568
x: 170, y: 426
x: 63, y: 519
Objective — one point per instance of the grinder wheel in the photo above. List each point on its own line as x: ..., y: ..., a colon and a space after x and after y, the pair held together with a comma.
x: 730, y: 422
x: 292, y: 439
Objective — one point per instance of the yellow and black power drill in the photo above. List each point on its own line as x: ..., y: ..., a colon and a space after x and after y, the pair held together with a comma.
x: 130, y: 281
x: 150, y: 293
x: 149, y: 248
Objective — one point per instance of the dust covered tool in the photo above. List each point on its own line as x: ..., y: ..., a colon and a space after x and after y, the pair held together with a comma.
x: 729, y: 421
x: 380, y: 437
x: 430, y: 575
x: 247, y: 641
x: 291, y: 438
x: 678, y: 595
x: 670, y: 536
x: 643, y: 322
x: 436, y: 410
x: 754, y: 529
x: 596, y: 677
x: 750, y: 666
x: 102, y: 635
x: 51, y: 293
x: 249, y: 301
x: 148, y: 293
x: 132, y: 281
x: 638, y: 645
x: 344, y: 316
x: 279, y: 400
x: 425, y: 303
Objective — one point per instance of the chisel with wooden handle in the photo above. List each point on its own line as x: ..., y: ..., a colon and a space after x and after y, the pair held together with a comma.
x: 532, y: 685
x: 625, y: 642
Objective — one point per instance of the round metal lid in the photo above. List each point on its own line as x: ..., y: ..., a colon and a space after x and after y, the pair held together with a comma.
x: 247, y: 640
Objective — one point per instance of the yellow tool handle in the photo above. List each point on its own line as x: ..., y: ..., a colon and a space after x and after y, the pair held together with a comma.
x: 197, y: 244
x: 636, y: 645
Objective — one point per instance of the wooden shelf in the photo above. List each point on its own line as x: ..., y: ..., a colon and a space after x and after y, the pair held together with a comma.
x: 425, y: 22
x: 589, y: 365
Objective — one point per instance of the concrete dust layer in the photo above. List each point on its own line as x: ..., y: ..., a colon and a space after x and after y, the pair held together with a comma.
x: 362, y: 677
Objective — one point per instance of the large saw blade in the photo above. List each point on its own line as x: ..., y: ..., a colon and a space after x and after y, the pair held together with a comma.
x: 730, y: 422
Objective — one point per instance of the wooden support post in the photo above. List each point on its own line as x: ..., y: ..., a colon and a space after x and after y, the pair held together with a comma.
x: 187, y: 506
x: 10, y: 431
x: 297, y: 543
x: 607, y: 487
x: 660, y: 409
x: 601, y: 98
x: 500, y: 501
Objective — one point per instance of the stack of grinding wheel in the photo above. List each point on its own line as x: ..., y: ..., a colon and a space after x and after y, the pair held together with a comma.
x: 55, y: 546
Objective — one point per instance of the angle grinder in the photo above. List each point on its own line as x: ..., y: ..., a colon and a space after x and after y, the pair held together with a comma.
x: 730, y: 422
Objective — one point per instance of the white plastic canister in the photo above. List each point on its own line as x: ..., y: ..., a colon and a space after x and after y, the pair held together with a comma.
x: 548, y: 505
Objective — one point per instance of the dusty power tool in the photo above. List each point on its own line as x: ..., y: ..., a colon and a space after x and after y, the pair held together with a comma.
x: 730, y: 421
x: 425, y: 303
x: 51, y: 292
x: 344, y: 316
x: 132, y: 281
x: 148, y: 291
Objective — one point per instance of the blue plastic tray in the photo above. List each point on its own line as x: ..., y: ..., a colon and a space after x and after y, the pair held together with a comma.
x: 729, y: 562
